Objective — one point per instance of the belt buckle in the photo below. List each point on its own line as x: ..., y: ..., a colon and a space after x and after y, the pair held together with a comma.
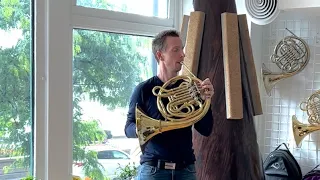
x: 168, y: 165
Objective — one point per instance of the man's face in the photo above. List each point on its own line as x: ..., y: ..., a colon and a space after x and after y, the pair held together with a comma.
x: 173, y: 54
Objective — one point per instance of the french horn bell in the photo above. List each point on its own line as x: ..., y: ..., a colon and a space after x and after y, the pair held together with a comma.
x: 291, y: 55
x: 312, y: 107
x: 185, y: 107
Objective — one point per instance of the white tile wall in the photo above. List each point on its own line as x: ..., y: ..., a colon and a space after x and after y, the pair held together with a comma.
x: 275, y: 125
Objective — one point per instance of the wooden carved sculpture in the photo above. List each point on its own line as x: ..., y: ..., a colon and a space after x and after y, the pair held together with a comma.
x: 231, y: 151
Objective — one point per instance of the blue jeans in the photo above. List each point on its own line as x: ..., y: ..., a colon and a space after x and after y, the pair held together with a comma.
x: 147, y: 172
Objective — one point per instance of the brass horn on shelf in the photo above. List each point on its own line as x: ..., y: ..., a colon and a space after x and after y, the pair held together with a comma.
x: 291, y: 55
x: 185, y: 107
x: 312, y: 107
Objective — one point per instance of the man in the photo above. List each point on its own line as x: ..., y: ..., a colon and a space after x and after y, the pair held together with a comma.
x: 173, y: 146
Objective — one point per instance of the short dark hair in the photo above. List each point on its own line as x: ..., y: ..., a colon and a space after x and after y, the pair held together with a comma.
x: 158, y: 43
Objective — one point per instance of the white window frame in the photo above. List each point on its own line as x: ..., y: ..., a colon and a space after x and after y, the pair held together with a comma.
x: 55, y: 21
x: 111, y: 21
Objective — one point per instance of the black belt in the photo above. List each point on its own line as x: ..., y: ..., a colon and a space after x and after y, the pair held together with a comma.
x: 162, y: 164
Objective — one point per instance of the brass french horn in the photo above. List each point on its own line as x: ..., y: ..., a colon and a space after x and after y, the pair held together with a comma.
x: 291, y: 55
x: 185, y: 107
x: 312, y: 107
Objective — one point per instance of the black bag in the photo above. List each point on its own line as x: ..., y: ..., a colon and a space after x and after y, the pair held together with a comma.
x: 281, y: 165
x: 314, y: 174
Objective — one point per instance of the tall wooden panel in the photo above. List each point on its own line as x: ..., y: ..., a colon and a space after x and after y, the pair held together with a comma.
x: 191, y: 34
x: 251, y: 69
x: 231, y: 61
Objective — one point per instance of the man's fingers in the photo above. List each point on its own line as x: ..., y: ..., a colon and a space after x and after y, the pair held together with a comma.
x: 206, y: 81
x: 207, y: 86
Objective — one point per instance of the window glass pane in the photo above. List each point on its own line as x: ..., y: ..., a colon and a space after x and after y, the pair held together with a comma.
x: 155, y: 8
x: 106, y: 68
x: 16, y: 99
x: 104, y: 155
x: 119, y: 155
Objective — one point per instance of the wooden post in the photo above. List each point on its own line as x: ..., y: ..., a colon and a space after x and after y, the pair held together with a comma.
x: 231, y: 151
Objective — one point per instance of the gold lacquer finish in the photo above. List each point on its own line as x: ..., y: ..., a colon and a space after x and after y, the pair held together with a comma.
x: 312, y: 107
x: 291, y: 55
x: 184, y: 108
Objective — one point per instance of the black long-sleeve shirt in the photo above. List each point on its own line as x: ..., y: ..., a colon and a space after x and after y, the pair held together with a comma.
x: 174, y: 145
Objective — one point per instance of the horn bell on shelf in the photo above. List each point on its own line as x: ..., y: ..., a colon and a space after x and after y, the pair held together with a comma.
x: 300, y: 130
x: 312, y: 107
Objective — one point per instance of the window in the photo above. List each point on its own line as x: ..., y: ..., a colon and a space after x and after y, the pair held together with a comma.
x: 87, y: 61
x: 119, y: 155
x: 16, y: 89
x: 156, y: 8
x: 106, y: 68
x: 104, y: 155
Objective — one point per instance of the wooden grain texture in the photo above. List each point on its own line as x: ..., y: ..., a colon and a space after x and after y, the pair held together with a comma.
x: 249, y: 61
x: 193, y: 40
x: 231, y: 151
x: 231, y: 62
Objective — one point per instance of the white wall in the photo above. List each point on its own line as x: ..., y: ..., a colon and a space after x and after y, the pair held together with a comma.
x: 275, y: 125
x: 292, y: 4
x: 187, y: 6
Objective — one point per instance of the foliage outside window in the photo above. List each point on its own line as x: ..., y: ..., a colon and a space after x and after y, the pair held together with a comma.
x: 107, y: 66
x: 16, y: 79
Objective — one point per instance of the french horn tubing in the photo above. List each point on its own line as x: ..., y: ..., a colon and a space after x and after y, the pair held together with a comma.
x: 312, y: 107
x: 184, y: 108
x: 291, y: 55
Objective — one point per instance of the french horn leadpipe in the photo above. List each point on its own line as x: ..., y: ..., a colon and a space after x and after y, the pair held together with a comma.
x: 185, y: 107
x: 312, y: 107
x: 291, y: 55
